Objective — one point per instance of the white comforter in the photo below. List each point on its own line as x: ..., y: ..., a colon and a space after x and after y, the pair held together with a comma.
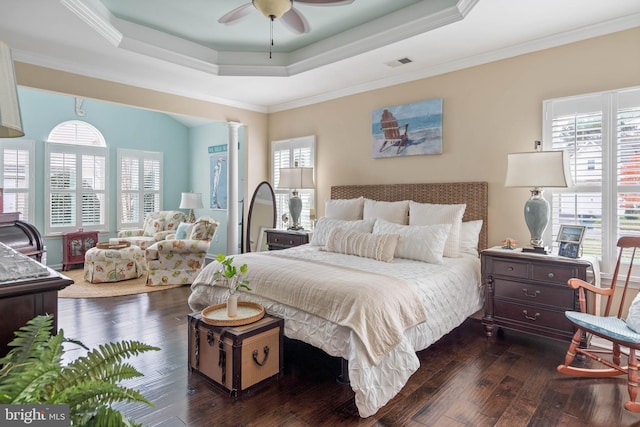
x: 449, y: 292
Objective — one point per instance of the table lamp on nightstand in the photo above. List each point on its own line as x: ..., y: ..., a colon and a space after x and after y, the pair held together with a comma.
x: 295, y: 178
x: 537, y: 169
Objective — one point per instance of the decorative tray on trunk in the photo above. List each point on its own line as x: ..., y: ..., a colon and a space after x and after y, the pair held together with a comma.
x: 248, y: 312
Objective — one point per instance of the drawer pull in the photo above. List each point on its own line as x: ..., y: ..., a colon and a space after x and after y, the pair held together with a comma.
x: 551, y: 275
x: 526, y: 315
x: 266, y: 355
x: 509, y: 268
x: 529, y: 294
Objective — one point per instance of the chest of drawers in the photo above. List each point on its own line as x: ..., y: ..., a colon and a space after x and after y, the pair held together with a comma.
x: 529, y: 293
x: 283, y: 239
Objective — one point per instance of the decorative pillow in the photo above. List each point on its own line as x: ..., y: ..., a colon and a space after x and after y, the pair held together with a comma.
x: 469, y: 237
x: 347, y: 209
x: 380, y: 247
x: 202, y: 230
x: 429, y: 214
x: 152, y: 227
x: 419, y: 242
x: 633, y: 318
x: 184, y: 229
x: 325, y: 225
x: 391, y: 211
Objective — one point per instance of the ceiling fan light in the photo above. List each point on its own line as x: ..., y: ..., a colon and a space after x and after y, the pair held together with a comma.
x: 273, y: 9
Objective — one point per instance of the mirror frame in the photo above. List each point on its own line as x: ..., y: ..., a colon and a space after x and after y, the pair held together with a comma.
x: 253, y: 198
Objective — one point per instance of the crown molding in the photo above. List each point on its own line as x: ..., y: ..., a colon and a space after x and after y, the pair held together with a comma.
x: 407, y: 22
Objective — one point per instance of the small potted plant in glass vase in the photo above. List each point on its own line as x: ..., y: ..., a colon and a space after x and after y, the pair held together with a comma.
x: 230, y: 275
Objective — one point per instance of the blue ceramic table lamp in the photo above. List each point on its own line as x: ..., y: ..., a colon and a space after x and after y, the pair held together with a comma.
x: 537, y: 169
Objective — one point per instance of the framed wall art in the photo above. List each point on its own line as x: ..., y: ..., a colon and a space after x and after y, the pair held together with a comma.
x: 407, y: 130
x: 218, y: 179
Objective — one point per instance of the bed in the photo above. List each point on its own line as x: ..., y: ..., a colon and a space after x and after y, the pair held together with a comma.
x: 430, y: 298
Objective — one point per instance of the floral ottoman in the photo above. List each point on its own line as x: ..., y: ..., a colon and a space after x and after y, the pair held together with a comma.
x: 113, y: 265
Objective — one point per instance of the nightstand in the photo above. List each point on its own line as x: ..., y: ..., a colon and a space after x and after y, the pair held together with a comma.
x: 529, y: 293
x: 283, y: 239
x: 75, y: 245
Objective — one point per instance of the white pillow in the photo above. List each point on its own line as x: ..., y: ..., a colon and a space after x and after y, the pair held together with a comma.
x: 325, y: 225
x: 633, y: 318
x: 469, y: 237
x: 428, y: 214
x: 391, y: 211
x: 347, y: 209
x: 420, y: 242
x: 380, y: 247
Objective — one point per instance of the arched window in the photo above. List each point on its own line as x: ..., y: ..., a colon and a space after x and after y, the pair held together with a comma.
x: 76, y: 163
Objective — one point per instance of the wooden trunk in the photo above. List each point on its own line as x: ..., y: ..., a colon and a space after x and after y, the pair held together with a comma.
x: 238, y: 359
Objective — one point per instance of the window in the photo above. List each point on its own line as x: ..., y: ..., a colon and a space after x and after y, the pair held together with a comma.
x: 76, y: 168
x: 139, y: 186
x: 284, y: 154
x: 601, y: 135
x: 16, y: 160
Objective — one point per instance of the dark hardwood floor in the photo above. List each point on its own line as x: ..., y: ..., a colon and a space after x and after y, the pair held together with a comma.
x: 464, y: 380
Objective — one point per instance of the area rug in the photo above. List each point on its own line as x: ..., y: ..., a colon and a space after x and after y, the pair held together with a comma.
x: 83, y: 289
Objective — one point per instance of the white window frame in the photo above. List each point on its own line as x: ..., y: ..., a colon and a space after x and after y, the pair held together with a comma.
x: 141, y: 156
x: 96, y: 147
x: 29, y: 190
x: 609, y: 103
x: 293, y: 146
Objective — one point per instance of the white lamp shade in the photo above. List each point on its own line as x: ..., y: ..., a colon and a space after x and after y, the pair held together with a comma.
x: 537, y: 169
x: 10, y: 120
x: 191, y: 201
x: 296, y: 178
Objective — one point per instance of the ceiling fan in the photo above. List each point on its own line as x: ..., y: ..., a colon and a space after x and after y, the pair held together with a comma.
x: 275, y: 9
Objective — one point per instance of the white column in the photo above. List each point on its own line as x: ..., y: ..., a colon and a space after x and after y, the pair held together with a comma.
x: 232, y: 189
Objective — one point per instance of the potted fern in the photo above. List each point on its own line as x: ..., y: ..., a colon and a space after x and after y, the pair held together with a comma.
x: 32, y: 373
x: 232, y: 278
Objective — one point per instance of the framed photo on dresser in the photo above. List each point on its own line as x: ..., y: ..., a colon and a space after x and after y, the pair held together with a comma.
x: 570, y: 238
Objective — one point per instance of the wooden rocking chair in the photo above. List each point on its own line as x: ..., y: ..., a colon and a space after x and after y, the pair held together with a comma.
x: 611, y: 328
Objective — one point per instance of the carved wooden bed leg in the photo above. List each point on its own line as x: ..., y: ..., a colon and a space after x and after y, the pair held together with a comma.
x: 343, y: 378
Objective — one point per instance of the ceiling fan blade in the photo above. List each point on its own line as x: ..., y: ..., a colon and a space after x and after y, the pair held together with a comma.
x: 325, y: 2
x: 237, y: 13
x: 294, y: 21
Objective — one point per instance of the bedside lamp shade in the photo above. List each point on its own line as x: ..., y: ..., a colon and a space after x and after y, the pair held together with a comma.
x: 537, y: 169
x: 191, y: 201
x: 10, y: 120
x: 295, y: 178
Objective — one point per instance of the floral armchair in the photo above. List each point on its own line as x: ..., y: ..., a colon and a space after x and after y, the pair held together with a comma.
x: 157, y: 226
x: 178, y: 261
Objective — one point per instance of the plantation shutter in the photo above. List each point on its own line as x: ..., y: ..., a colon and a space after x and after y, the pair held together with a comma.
x: 601, y: 135
x: 76, y: 168
x: 284, y: 155
x: 140, y: 186
x: 16, y: 159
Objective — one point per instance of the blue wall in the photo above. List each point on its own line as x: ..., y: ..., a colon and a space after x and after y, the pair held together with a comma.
x: 122, y: 127
x: 201, y: 139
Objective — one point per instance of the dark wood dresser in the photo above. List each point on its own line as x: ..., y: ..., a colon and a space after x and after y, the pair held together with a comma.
x: 20, y: 235
x: 529, y: 293
x: 27, y: 289
x: 283, y: 239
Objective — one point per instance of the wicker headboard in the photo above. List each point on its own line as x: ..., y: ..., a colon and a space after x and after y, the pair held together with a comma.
x: 474, y: 194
